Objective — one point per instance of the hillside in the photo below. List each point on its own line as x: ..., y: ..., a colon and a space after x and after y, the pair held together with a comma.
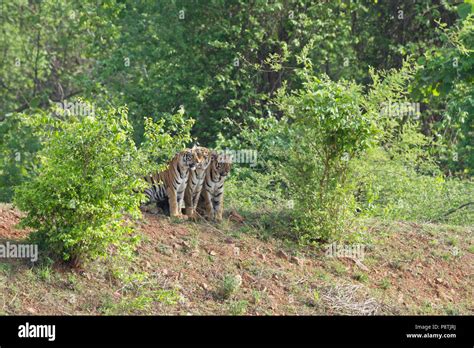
x: 196, y: 268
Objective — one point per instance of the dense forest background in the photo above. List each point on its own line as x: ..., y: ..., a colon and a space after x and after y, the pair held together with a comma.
x: 306, y: 84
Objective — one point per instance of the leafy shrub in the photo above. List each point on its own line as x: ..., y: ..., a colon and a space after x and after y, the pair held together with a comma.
x: 267, y: 136
x: 401, y: 180
x: 328, y: 127
x: 18, y: 148
x: 446, y: 86
x: 163, y: 139
x: 230, y: 285
x: 392, y: 189
x: 238, y: 307
x: 331, y: 124
x: 89, y: 169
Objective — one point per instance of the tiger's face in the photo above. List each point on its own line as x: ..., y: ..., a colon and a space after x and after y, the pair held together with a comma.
x: 221, y: 163
x: 190, y: 159
x: 205, y: 154
x: 196, y: 158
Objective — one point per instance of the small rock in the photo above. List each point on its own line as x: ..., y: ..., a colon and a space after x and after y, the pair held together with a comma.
x: 236, y: 251
x: 296, y: 260
x: 212, y: 253
x: 439, y: 280
x: 400, y: 298
x: 238, y: 280
x: 443, y: 295
x: 236, y: 217
x: 248, y: 278
x: 165, y: 272
x: 361, y: 265
x: 72, y: 299
x: 31, y: 310
x: 282, y: 254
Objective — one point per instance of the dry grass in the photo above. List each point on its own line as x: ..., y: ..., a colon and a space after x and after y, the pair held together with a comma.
x: 182, y: 268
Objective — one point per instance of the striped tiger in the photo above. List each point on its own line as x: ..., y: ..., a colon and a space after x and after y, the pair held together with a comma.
x: 195, y: 182
x: 169, y: 185
x: 212, y: 196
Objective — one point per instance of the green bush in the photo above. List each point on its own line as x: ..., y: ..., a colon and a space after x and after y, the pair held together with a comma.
x: 18, y: 148
x: 328, y: 128
x: 230, y: 285
x: 332, y: 123
x: 89, y: 170
x: 391, y: 188
x: 163, y: 139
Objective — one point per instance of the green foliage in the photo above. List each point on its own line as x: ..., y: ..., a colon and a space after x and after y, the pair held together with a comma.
x: 89, y: 170
x: 328, y: 128
x: 445, y: 84
x: 163, y: 139
x: 49, y: 48
x: 238, y: 307
x: 409, y: 194
x: 263, y: 201
x: 18, y: 148
x: 230, y: 285
x: 323, y: 144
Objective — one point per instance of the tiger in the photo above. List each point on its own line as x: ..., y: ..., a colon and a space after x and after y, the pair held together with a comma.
x: 169, y: 185
x: 212, y: 195
x: 195, y: 183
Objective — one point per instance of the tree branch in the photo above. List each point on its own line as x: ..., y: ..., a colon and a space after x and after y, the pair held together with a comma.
x: 453, y: 210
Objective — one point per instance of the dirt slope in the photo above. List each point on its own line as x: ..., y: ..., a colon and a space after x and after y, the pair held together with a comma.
x: 199, y: 268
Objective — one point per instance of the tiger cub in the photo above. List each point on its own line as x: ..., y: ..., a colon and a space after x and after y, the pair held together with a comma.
x: 195, y: 183
x: 212, y: 196
x: 170, y: 184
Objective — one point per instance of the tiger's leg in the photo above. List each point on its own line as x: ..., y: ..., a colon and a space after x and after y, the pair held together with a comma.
x: 192, y: 210
x: 188, y: 204
x: 174, y: 204
x: 180, y: 202
x: 208, y: 205
x: 219, y: 207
